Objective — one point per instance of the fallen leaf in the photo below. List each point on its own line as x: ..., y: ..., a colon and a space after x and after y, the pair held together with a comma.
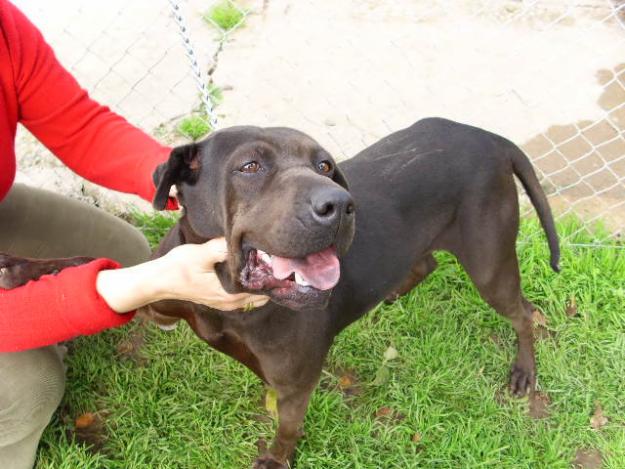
x: 571, y: 307
x: 346, y: 381
x: 588, y: 459
x: 540, y: 325
x: 598, y: 420
x: 89, y: 430
x: 417, y: 437
x: 391, y: 353
x: 539, y: 405
x: 384, y: 412
x: 539, y: 318
x: 85, y: 420
x: 271, y: 403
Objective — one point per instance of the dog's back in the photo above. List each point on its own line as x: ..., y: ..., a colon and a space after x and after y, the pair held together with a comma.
x: 432, y: 186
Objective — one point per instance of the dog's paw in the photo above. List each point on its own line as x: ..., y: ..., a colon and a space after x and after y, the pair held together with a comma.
x: 18, y: 271
x: 12, y: 274
x: 522, y: 379
x: 267, y: 462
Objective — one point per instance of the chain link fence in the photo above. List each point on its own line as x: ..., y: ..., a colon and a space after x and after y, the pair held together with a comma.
x: 549, y: 75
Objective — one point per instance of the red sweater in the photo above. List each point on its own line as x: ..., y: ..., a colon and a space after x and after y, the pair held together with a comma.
x: 36, y: 91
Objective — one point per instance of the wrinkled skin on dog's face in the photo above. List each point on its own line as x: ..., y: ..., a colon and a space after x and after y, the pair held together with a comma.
x: 280, y: 201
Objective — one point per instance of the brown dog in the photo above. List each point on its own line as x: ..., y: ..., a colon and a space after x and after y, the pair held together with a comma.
x: 326, y: 252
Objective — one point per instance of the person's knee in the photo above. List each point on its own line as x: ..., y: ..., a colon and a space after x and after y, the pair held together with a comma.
x: 32, y: 387
x: 137, y: 249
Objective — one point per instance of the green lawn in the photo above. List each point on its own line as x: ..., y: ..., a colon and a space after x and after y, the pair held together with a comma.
x: 166, y: 400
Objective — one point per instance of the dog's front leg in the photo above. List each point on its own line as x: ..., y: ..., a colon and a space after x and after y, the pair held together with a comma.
x: 292, y: 405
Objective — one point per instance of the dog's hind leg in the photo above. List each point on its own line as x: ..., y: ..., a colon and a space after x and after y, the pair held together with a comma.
x: 499, y: 286
x: 484, y: 242
x: 420, y: 270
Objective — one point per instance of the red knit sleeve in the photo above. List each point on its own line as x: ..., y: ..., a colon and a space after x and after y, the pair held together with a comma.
x: 56, y: 308
x: 89, y: 138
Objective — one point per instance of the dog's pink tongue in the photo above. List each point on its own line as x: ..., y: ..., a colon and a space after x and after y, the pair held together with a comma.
x: 321, y: 269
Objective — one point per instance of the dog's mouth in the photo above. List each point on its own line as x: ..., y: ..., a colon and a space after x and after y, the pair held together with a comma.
x: 293, y: 280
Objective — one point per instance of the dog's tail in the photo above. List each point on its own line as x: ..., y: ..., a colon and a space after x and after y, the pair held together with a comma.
x: 523, y: 170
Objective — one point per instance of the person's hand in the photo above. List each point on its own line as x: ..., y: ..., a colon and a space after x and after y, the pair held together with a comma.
x: 187, y: 272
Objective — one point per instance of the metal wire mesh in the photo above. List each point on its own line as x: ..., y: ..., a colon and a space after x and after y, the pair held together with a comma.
x: 547, y: 74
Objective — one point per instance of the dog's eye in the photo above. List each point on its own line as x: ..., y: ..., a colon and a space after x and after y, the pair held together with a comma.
x: 324, y: 167
x: 251, y: 167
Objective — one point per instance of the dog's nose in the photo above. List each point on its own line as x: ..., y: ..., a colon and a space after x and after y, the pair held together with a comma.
x: 330, y: 204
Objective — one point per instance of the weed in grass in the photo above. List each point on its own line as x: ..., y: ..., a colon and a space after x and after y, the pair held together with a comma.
x: 216, y: 95
x: 194, y: 127
x: 226, y: 15
x: 191, y: 407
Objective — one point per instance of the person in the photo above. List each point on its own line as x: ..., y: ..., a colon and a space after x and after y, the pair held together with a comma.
x: 36, y: 91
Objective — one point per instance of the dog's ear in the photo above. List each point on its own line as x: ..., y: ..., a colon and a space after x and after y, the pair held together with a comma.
x: 339, y: 178
x: 182, y: 166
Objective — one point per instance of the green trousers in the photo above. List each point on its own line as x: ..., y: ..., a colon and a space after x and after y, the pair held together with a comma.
x: 40, y: 224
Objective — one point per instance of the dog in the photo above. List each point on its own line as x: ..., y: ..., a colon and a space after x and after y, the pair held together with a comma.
x: 327, y: 242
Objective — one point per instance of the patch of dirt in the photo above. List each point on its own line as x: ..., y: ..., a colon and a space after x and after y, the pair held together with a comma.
x: 131, y: 347
x: 539, y: 405
x: 86, y: 428
x: 588, y: 458
x: 89, y: 430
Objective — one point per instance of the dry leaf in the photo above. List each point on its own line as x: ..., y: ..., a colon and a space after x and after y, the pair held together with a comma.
x: 417, y: 437
x: 598, y: 420
x: 346, y: 381
x: 271, y: 403
x: 571, y: 307
x: 85, y: 420
x: 539, y: 318
x: 391, y: 353
x: 539, y: 405
x: 384, y: 412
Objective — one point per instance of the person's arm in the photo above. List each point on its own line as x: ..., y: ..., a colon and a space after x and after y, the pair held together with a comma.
x: 86, y: 299
x: 90, y: 139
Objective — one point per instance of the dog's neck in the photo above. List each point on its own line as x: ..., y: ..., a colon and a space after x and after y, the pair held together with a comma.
x: 189, y: 236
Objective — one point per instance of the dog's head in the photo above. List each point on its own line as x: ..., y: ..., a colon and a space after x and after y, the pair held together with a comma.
x: 279, y: 199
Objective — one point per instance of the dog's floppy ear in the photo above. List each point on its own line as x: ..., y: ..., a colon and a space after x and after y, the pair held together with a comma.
x: 183, y: 166
x: 339, y: 178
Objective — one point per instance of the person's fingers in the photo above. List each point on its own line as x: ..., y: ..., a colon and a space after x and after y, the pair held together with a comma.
x: 215, y: 250
x: 260, y: 300
x: 245, y: 297
x: 249, y: 302
x: 246, y: 306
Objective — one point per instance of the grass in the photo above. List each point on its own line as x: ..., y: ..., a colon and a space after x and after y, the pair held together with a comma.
x: 226, y: 15
x: 198, y: 125
x: 194, y: 127
x: 175, y: 403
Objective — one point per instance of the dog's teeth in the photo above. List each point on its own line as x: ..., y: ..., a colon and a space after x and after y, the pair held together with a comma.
x: 300, y: 280
x: 266, y: 258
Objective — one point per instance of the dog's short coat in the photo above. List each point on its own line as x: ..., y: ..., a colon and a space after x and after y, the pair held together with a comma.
x: 280, y: 200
